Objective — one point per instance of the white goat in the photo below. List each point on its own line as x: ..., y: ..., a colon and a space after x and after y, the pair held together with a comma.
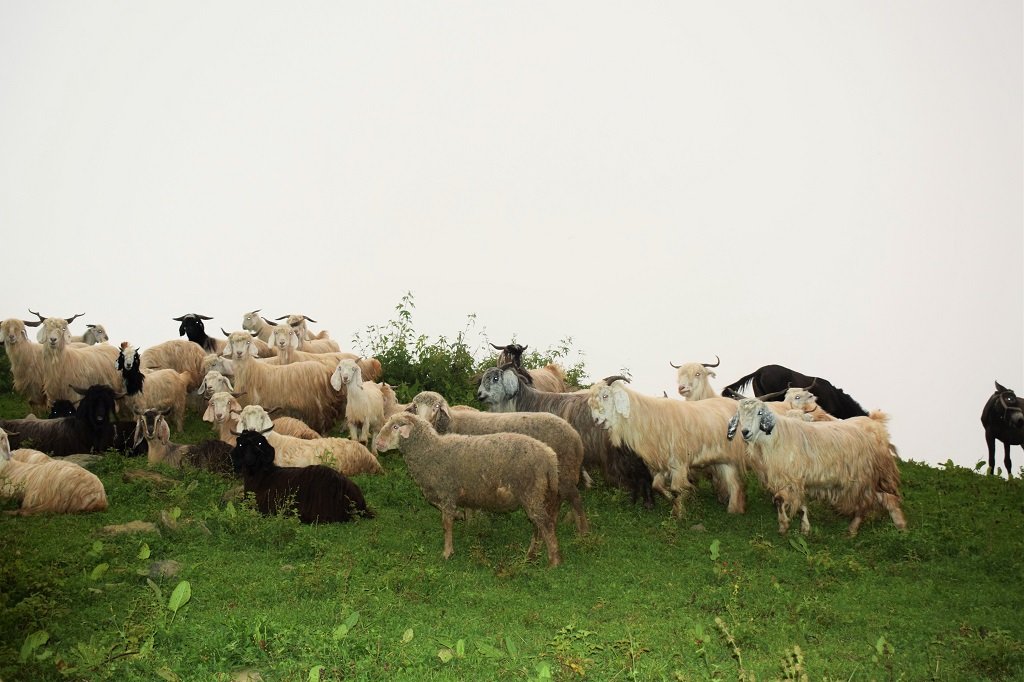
x: 301, y: 389
x: 347, y: 456
x: 259, y: 326
x: 804, y: 404
x: 692, y: 379
x: 52, y: 486
x: 214, y: 382
x: 671, y: 437
x: 64, y: 364
x: 223, y: 411
x: 364, y: 409
x: 26, y: 358
x: 845, y: 462
x: 309, y: 342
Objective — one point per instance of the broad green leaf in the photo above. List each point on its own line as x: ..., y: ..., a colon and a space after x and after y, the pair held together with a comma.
x: 352, y: 619
x: 511, y: 647
x: 99, y: 571
x: 407, y: 636
x: 97, y: 547
x: 176, y: 513
x: 33, y: 642
x: 445, y: 655
x: 715, y: 544
x: 156, y: 589
x: 314, y: 673
x: 229, y: 510
x: 460, y: 648
x: 143, y: 551
x: 182, y: 593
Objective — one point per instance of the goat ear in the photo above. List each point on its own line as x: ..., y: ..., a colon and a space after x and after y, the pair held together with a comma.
x: 767, y: 420
x: 733, y: 425
x: 711, y: 373
x: 163, y: 431
x: 620, y: 399
x: 293, y: 340
x: 41, y: 336
x: 140, y: 432
x: 253, y: 350
x: 510, y: 382
x: 1000, y: 387
x: 442, y: 418
x: 202, y: 387
x: 336, y: 381
x: 209, y: 416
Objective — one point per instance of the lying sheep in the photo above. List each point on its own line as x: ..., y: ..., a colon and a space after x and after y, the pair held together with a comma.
x: 224, y: 409
x: 547, y: 428
x: 499, y: 472
x: 48, y: 486
x: 317, y: 494
x: 211, y: 455
x: 347, y: 456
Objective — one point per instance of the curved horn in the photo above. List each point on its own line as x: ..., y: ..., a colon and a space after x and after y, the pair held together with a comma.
x: 283, y: 317
x: 235, y: 433
x: 73, y: 317
x: 42, y: 319
x: 79, y: 391
x: 674, y: 364
x: 256, y: 311
x: 176, y: 319
x: 310, y: 319
x: 498, y: 347
x: 616, y: 377
x: 718, y: 361
x: 270, y: 322
x: 91, y: 326
x: 266, y: 430
x: 254, y: 334
x: 772, y: 396
x: 224, y: 332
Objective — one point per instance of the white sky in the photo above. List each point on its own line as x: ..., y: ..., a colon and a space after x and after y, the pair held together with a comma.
x: 836, y: 187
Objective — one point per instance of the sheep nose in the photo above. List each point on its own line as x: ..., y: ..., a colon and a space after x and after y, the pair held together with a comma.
x: 746, y: 434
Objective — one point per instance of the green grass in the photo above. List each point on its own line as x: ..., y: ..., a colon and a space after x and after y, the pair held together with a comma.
x: 643, y: 597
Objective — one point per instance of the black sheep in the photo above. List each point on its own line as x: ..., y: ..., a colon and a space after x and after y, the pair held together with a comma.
x: 90, y: 430
x: 318, y: 494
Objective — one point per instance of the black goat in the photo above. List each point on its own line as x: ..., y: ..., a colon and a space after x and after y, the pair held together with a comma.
x: 318, y: 494
x: 775, y: 378
x: 192, y: 326
x: 62, y: 408
x: 90, y: 430
x: 1003, y: 419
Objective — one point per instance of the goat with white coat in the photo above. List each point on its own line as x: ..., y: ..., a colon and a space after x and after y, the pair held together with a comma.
x: 364, y: 409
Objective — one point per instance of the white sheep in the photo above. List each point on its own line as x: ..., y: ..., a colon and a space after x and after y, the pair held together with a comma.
x: 53, y: 486
x: 847, y: 463
x: 549, y: 429
x: 26, y: 358
x: 214, y: 382
x: 498, y: 472
x: 301, y: 389
x: 223, y: 410
x: 672, y: 437
x: 64, y: 364
x: 364, y: 407
x: 347, y: 456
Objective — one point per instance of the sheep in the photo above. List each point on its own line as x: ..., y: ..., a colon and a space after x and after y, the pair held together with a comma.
x: 90, y: 430
x: 364, y: 407
x: 52, y: 486
x: 183, y: 356
x: 64, y: 364
x: 301, y: 389
x: 211, y: 454
x: 223, y: 410
x: 497, y: 472
x: 317, y: 494
x: 319, y: 343
x: 285, y: 343
x: 94, y: 333
x: 158, y: 389
x: 672, y: 436
x: 692, y: 379
x: 347, y: 456
x: 552, y: 430
x: 26, y: 357
x: 503, y: 389
x: 550, y: 377
x: 845, y: 462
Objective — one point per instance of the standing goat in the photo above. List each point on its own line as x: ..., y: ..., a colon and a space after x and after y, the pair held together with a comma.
x: 1003, y: 419
x: 26, y: 358
x: 550, y: 377
x: 64, y: 364
x: 158, y: 389
x: 364, y: 408
x: 846, y: 463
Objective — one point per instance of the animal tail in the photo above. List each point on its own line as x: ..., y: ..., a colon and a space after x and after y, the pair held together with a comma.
x: 739, y: 384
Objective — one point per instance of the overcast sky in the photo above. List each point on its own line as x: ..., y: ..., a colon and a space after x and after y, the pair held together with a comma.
x: 836, y: 187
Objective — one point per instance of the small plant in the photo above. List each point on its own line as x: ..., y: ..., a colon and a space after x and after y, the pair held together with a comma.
x: 179, y: 597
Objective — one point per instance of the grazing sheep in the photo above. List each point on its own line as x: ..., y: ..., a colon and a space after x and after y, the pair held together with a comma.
x: 317, y: 494
x: 94, y: 333
x: 49, y: 486
x: 347, y: 456
x: 211, y: 454
x: 692, y: 379
x: 672, y: 437
x: 498, y: 472
x: 846, y: 463
x: 90, y: 430
x: 552, y: 430
x: 503, y: 389
x: 301, y: 389
x: 64, y: 364
x: 26, y: 358
x: 364, y: 407
x: 155, y: 389
x: 223, y: 411
x: 550, y: 377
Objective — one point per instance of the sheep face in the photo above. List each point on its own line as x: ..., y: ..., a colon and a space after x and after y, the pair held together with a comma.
x: 240, y: 346
x: 347, y: 373
x: 498, y: 385
x: 397, y: 428
x: 222, y: 405
x: 692, y: 381
x: 96, y: 333
x: 433, y: 408
x: 753, y: 419
x: 54, y: 334
x: 254, y: 418
x: 252, y: 322
x: 283, y: 339
x: 801, y: 399
x: 128, y: 358
x: 214, y: 382
x: 608, y: 403
x: 252, y: 453
x: 13, y: 331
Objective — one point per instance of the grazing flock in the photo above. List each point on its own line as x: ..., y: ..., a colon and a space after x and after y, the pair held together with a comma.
x: 274, y: 391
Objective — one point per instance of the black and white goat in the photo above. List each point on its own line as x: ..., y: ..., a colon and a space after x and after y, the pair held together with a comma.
x: 164, y: 390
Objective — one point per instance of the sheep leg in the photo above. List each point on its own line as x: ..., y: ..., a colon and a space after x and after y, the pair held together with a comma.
x: 587, y: 481
x: 447, y: 521
x: 658, y: 484
x: 782, y: 509
x: 679, y: 484
x: 582, y: 523
x: 892, y: 505
x: 805, y: 520
x: 729, y: 480
x: 855, y: 525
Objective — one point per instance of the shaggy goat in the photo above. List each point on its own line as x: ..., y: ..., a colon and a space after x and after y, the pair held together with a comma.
x: 1003, y: 419
x: 692, y: 379
x: 26, y: 358
x: 301, y: 389
x: 90, y: 430
x: 846, y: 463
x: 212, y: 454
x: 223, y: 411
x: 549, y: 429
x: 192, y: 326
x: 503, y: 389
x: 64, y: 364
x: 318, y: 343
x: 94, y: 333
x: 285, y: 343
x: 364, y: 407
x: 550, y: 377
x: 498, y: 472
x: 179, y: 355
x: 49, y: 486
x: 316, y: 494
x: 347, y: 456
x: 163, y: 390
x: 672, y: 437
x: 259, y: 326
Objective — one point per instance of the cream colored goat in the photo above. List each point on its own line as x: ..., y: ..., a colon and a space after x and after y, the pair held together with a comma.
x: 49, y: 486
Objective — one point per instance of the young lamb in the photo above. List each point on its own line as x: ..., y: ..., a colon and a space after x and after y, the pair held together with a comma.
x: 49, y: 486
x: 347, y: 456
x: 212, y: 454
x: 547, y: 428
x: 317, y: 494
x: 164, y: 390
x: 847, y: 463
x: 364, y: 409
x: 223, y: 411
x: 498, y: 472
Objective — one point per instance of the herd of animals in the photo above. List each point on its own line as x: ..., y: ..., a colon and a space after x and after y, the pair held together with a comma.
x: 273, y: 390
